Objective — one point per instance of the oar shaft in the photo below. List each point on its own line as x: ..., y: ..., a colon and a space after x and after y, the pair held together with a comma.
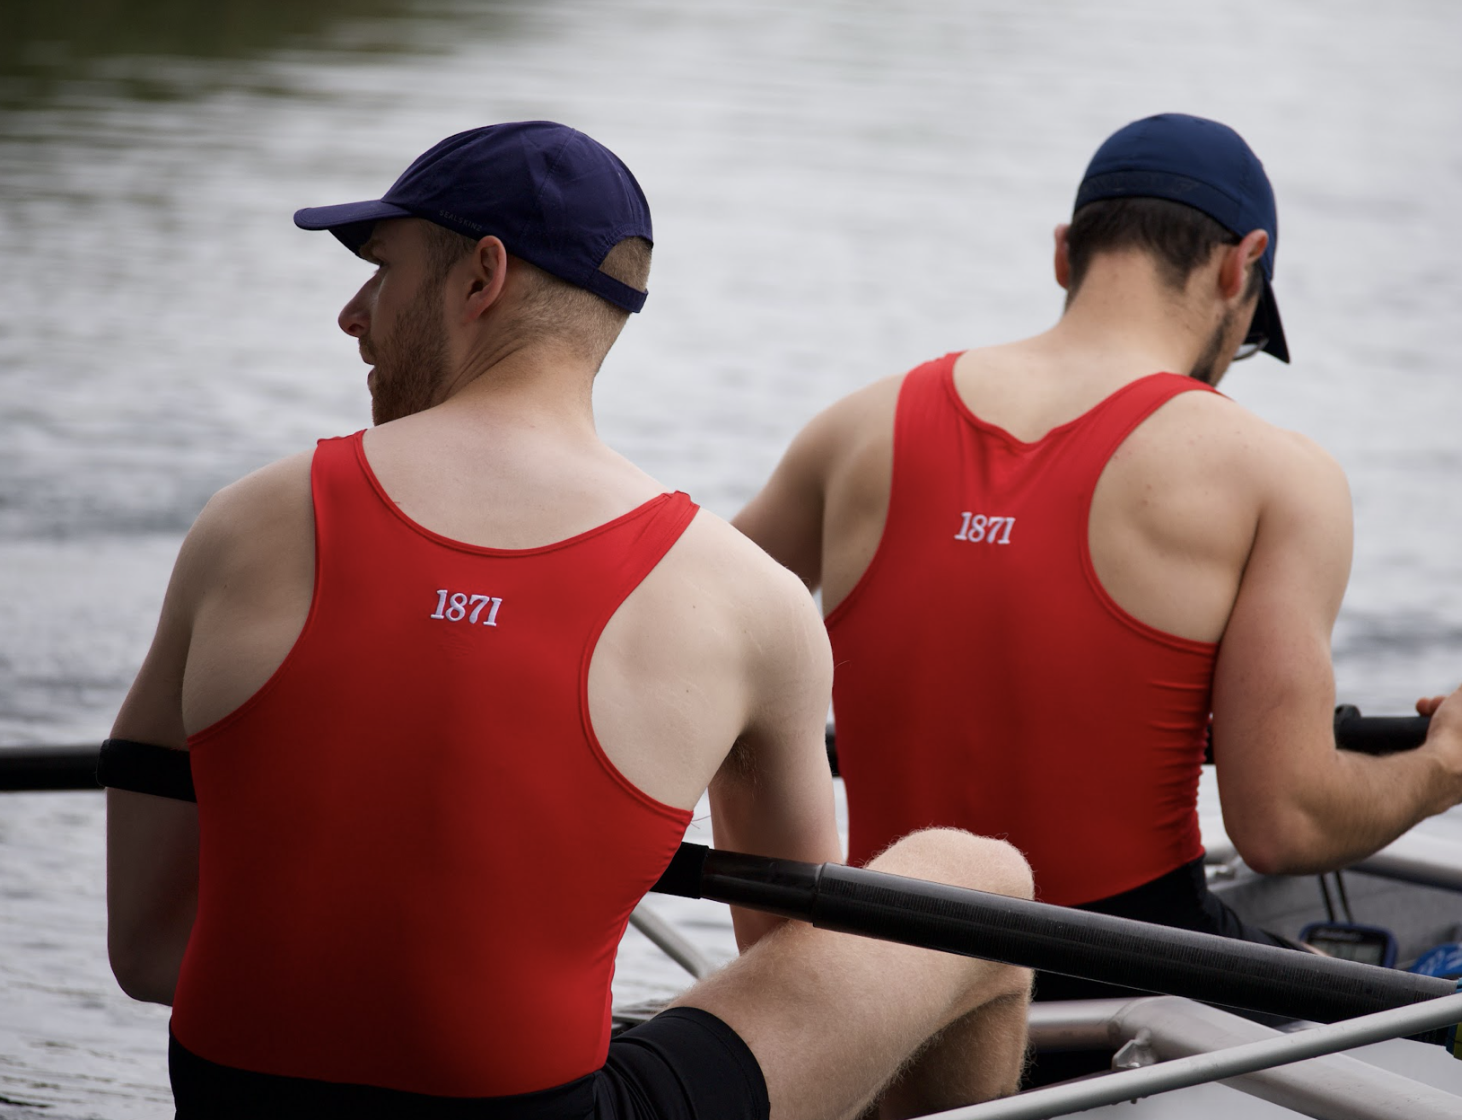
x: 1053, y: 938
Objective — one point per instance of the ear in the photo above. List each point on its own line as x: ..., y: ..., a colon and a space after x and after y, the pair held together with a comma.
x: 1237, y: 259
x: 1063, y: 256
x: 487, y: 273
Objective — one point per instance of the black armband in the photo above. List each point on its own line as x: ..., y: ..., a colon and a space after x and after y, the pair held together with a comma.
x: 146, y: 768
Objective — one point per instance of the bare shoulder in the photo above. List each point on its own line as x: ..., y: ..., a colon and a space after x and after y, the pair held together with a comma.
x: 1208, y: 431
x: 254, y: 515
x: 232, y: 551
x: 273, y: 492
x: 764, y: 610
x: 857, y: 414
x: 746, y: 577
x: 848, y: 446
x: 698, y: 654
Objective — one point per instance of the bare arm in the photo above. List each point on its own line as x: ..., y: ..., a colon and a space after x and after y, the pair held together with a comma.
x: 785, y: 518
x: 773, y: 795
x: 152, y: 842
x: 231, y: 610
x: 1292, y: 802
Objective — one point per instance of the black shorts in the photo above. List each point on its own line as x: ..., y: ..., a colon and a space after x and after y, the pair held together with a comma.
x: 684, y: 1064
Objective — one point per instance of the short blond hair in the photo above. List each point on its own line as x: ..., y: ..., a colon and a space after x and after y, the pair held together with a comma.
x: 553, y: 307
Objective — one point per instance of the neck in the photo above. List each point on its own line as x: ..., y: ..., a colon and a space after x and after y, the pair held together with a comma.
x: 1127, y: 318
x: 540, y: 383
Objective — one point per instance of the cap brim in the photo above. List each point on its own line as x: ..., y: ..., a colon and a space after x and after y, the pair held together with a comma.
x: 1266, y: 324
x: 350, y: 222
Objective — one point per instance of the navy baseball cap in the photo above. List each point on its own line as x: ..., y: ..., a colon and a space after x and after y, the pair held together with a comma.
x: 555, y: 197
x: 1202, y: 164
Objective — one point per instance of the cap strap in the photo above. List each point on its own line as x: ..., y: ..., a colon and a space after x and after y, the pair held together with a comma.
x: 616, y: 292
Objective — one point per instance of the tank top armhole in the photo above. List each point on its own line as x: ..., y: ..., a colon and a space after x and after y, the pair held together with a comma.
x: 1153, y: 396
x: 670, y: 520
x: 318, y: 464
x: 928, y: 379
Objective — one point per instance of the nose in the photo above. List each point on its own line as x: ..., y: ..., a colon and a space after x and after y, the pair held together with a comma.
x: 355, y: 316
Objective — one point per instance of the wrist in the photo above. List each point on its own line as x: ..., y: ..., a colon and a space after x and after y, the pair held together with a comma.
x: 1441, y: 776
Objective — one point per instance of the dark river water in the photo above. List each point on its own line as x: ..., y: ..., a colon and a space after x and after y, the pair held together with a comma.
x: 841, y: 190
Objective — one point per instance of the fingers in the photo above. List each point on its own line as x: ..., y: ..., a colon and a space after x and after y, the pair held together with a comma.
x: 1428, y: 705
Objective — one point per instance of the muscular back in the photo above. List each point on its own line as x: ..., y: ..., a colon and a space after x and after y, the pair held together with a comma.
x: 1174, y: 515
x: 1206, y: 523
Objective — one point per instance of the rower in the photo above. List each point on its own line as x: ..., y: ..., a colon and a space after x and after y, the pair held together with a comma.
x: 1046, y: 565
x: 449, y: 690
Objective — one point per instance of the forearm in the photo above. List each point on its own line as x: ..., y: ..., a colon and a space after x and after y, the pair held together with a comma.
x: 1356, y: 805
x: 742, y: 822
x: 146, y: 960
x: 152, y: 890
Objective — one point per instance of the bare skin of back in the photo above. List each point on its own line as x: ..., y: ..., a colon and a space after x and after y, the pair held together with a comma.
x: 1207, y: 523
x: 715, y: 672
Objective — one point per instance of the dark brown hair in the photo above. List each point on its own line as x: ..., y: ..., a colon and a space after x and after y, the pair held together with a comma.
x: 1179, y: 238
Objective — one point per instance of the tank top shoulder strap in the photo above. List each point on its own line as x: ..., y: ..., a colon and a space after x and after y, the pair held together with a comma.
x: 1101, y: 431
x: 622, y: 552
x: 345, y: 501
x: 650, y: 531
x: 924, y: 400
x: 925, y: 418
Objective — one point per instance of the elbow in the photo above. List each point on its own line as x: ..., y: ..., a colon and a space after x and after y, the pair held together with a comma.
x: 1282, y: 845
x: 1266, y: 860
x: 141, y: 971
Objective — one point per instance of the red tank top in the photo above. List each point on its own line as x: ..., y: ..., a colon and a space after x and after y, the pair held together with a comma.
x: 416, y: 861
x: 986, y: 680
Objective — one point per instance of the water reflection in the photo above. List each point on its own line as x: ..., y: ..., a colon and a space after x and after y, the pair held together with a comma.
x: 171, y: 49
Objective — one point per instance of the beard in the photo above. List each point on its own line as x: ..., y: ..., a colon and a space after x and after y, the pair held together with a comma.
x: 1205, y: 366
x: 411, y: 361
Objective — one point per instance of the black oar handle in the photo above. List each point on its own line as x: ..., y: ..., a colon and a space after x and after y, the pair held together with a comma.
x: 1077, y: 943
x: 1378, y: 734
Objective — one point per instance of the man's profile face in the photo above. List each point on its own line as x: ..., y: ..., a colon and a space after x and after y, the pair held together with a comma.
x: 398, y: 318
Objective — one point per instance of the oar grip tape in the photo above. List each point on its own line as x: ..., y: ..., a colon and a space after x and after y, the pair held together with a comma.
x: 146, y: 768
x: 1378, y: 734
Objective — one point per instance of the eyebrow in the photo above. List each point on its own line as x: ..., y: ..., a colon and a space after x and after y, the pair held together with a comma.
x: 366, y: 251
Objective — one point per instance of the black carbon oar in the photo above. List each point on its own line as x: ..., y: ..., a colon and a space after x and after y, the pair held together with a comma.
x: 54, y: 768
x: 74, y: 767
x: 1077, y: 943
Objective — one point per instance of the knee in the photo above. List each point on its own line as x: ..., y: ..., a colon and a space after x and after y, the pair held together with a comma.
x: 961, y: 859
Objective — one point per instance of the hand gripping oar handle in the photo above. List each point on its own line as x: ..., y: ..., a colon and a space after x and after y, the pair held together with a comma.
x: 1078, y: 943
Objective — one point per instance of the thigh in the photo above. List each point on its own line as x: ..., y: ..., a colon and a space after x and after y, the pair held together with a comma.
x: 832, y: 1017
x: 684, y: 1064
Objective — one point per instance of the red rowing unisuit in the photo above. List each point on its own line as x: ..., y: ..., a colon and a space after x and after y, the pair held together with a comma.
x: 416, y: 861
x: 984, y: 677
